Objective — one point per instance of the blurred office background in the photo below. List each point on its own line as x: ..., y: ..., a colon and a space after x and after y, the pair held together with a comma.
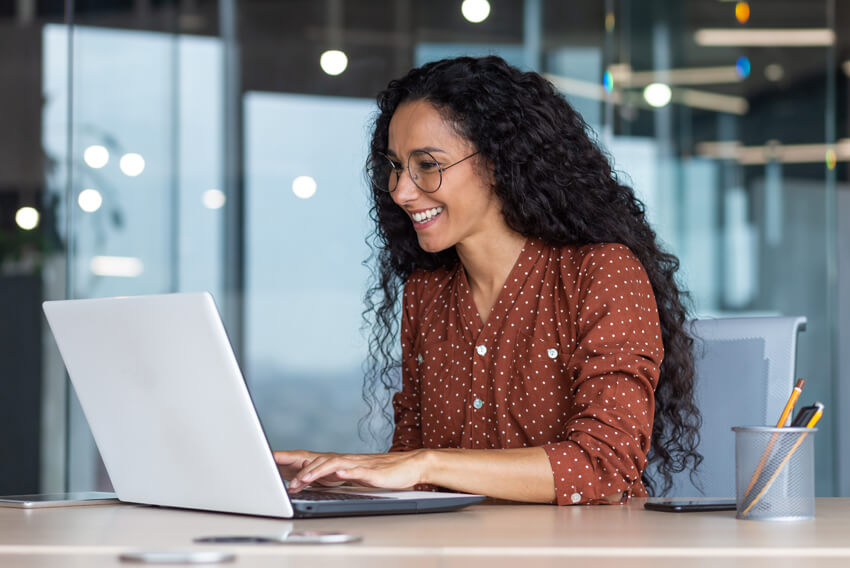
x: 151, y: 146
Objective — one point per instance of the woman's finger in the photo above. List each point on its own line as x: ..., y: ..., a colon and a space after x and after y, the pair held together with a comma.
x: 320, y: 468
x: 292, y: 457
x: 297, y: 482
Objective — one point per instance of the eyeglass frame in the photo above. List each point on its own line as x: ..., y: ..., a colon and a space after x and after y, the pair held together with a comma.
x: 440, y: 168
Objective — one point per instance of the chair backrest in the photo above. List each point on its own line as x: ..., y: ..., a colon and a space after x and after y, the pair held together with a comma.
x: 744, y: 376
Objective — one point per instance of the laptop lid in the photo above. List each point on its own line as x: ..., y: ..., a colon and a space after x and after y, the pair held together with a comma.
x: 167, y: 404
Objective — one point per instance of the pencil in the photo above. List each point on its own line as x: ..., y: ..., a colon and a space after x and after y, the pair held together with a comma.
x: 793, y: 449
x: 789, y: 406
x: 786, y: 413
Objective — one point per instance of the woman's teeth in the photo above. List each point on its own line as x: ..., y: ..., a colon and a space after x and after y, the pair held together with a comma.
x: 426, y: 215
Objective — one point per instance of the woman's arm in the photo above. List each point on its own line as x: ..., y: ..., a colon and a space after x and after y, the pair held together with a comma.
x: 521, y: 474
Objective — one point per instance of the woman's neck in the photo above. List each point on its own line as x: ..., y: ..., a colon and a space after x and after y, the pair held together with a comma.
x: 488, y: 260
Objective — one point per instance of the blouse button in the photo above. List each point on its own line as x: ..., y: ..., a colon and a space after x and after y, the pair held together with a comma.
x: 575, y: 497
x: 552, y: 353
x: 482, y: 350
x: 419, y: 358
x: 477, y: 403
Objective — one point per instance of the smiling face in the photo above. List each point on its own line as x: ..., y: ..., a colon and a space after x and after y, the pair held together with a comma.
x: 465, y: 207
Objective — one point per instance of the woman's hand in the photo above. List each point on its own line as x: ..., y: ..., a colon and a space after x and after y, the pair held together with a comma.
x: 396, y: 470
x: 290, y: 463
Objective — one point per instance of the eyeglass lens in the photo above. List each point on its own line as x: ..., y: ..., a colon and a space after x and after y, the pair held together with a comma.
x: 423, y: 168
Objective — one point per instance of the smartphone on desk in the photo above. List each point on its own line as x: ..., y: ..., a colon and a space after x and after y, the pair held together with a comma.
x: 58, y: 499
x: 690, y: 505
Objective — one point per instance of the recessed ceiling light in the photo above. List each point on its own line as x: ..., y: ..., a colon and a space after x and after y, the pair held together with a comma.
x: 304, y: 187
x: 333, y: 62
x: 89, y: 200
x: 96, y: 156
x: 132, y: 164
x: 475, y: 11
x: 657, y: 95
x: 27, y: 218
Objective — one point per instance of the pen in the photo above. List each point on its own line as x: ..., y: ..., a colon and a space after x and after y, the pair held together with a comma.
x: 806, y: 413
x: 786, y: 412
x: 811, y: 424
x: 789, y: 406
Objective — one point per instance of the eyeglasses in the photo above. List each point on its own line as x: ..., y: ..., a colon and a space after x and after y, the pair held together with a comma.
x: 424, y: 170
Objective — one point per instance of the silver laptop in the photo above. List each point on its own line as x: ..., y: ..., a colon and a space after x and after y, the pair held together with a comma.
x: 172, y: 417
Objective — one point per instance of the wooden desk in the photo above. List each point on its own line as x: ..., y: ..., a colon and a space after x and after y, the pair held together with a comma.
x: 493, y: 535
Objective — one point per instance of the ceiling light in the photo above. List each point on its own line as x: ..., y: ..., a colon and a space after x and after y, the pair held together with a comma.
x: 774, y: 37
x: 304, y: 187
x: 689, y: 97
x: 96, y: 156
x: 333, y: 62
x: 213, y: 199
x: 122, y: 266
x: 89, y: 200
x: 584, y: 89
x: 132, y: 164
x: 623, y: 75
x: 657, y: 95
x: 712, y: 101
x: 27, y: 218
x: 776, y: 152
x: 475, y: 11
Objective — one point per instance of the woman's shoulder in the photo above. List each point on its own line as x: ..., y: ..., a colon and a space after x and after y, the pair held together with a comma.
x: 426, y: 283
x: 597, y: 255
x: 586, y: 267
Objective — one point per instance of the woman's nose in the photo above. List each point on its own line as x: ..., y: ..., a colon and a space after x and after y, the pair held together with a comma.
x: 405, y: 190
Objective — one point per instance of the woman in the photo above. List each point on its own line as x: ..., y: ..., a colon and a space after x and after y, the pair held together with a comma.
x: 537, y: 305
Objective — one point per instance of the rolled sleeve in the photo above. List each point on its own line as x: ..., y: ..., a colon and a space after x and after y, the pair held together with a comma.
x: 615, y: 368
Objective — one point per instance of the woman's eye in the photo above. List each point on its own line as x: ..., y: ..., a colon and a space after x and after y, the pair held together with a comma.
x: 428, y: 166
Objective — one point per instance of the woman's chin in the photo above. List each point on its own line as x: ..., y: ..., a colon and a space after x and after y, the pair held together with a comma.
x: 432, y: 245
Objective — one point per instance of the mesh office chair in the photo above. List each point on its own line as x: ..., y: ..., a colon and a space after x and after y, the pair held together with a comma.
x: 744, y: 376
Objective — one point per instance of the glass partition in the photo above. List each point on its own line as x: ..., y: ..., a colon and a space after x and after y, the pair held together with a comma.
x: 737, y: 102
x: 139, y: 196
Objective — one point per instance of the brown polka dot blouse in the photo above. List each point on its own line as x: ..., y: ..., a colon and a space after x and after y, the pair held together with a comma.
x: 568, y: 360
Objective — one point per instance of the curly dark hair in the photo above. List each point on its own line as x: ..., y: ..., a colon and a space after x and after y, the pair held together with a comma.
x: 554, y: 183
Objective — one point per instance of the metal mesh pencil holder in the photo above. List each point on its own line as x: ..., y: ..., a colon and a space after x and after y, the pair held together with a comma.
x: 775, y: 473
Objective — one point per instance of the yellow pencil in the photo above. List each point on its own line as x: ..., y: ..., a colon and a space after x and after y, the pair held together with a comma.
x: 789, y: 406
x: 786, y: 414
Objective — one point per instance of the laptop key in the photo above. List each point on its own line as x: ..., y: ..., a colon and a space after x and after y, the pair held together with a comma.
x: 308, y: 495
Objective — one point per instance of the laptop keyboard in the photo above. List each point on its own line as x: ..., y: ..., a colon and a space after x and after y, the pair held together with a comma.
x: 308, y: 495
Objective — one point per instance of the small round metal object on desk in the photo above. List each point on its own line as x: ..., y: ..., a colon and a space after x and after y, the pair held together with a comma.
x: 292, y: 537
x: 177, y: 557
